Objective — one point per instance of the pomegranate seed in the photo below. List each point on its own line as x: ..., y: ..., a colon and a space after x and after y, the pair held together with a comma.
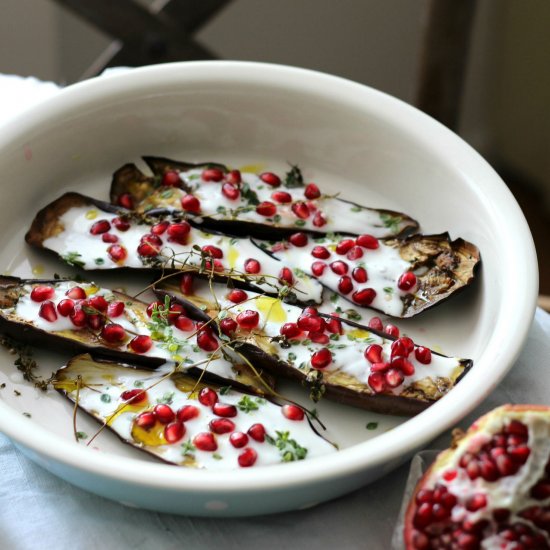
x: 334, y: 325
x: 311, y: 323
x: 207, y: 342
x: 212, y: 174
x: 476, y: 502
x: 380, y: 367
x: 126, y: 201
x: 115, y: 309
x: 117, y: 253
x: 205, y: 441
x: 234, y: 177
x: 76, y: 293
x: 95, y: 322
x: 398, y: 348
x: 312, y: 191
x: 238, y: 440
x: 364, y: 297
x: 122, y: 224
x: 407, y: 281
x: 286, y: 277
x: 298, y: 239
x: 247, y: 458
x: 211, y: 250
x: 208, y: 397
x: 282, y: 197
x: 47, y: 311
x: 257, y: 432
x: 343, y: 246
x: 141, y: 343
x: 99, y: 303
x: 221, y: 426
x: 65, y: 307
x: 252, y: 266
x: 271, y: 179
x: 187, y: 412
x: 178, y: 232
x: 133, y: 397
x: 189, y: 203
x: 339, y: 267
x: 318, y: 337
x: 164, y: 413
x: 360, y: 275
x: 174, y: 432
x: 393, y: 378
x: 345, y: 284
x: 266, y: 208
x: 373, y: 353
x: 146, y: 420
x: 319, y: 219
x: 377, y: 382
x: 113, y: 333
x: 218, y: 266
x: 171, y: 179
x: 367, y: 241
x: 320, y: 252
x: 301, y: 210
x: 231, y: 191
x: 109, y: 238
x: 317, y: 268
x: 292, y: 412
x: 154, y: 306
x: 228, y: 326
x: 99, y: 227
x: 404, y: 365
x: 376, y: 323
x: 40, y: 293
x: 449, y: 475
x: 78, y: 317
x: 520, y: 454
x: 224, y: 409
x: 290, y: 330
x: 248, y: 319
x: 423, y: 355
x: 147, y: 250
x: 153, y: 240
x: 186, y: 283
x: 182, y: 322
x: 321, y: 358
x: 160, y: 228
x: 355, y: 253
x: 392, y: 330
x: 237, y: 296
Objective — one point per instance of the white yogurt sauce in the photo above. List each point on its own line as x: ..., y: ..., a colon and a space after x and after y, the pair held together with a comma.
x: 225, y: 457
x: 75, y: 243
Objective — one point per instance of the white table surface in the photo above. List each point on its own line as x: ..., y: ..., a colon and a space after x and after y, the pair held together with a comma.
x: 38, y: 510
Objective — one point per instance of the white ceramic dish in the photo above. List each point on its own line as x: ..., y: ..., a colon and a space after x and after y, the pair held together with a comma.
x: 347, y: 137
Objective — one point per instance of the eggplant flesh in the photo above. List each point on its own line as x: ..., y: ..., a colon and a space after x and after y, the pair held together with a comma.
x: 20, y: 320
x: 68, y: 227
x: 440, y: 268
x: 347, y: 378
x: 151, y: 417
x: 239, y: 216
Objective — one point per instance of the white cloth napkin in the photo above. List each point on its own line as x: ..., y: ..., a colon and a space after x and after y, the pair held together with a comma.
x: 38, y: 510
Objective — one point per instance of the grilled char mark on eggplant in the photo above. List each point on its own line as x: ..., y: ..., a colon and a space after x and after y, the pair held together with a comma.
x: 291, y: 351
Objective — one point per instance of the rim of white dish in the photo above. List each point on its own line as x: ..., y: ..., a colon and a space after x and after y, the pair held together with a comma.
x: 515, y: 316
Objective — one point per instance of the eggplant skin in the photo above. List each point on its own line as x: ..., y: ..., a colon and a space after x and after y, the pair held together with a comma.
x: 347, y: 393
x: 130, y: 179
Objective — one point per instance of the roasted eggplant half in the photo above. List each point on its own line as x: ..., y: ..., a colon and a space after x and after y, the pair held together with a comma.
x: 246, y: 203
x: 399, y: 277
x: 183, y: 421
x: 95, y: 236
x: 337, y: 359
x: 79, y: 317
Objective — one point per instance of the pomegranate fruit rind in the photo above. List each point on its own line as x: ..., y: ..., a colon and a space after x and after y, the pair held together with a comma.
x: 246, y: 203
x: 336, y: 359
x: 82, y: 317
x: 96, y: 236
x: 183, y: 421
x: 399, y: 277
x: 491, y: 489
